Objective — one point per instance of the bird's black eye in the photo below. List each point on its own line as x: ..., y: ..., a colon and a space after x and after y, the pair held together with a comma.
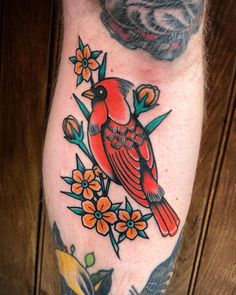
x: 100, y: 93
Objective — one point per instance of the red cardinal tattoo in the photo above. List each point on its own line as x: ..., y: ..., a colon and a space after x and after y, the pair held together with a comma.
x: 123, y: 150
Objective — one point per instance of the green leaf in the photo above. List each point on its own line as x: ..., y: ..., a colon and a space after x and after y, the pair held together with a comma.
x: 72, y: 249
x: 79, y: 80
x: 142, y: 234
x: 102, y: 281
x: 82, y: 107
x: 146, y: 217
x: 89, y: 259
x: 81, y: 45
x: 73, y: 59
x: 95, y: 54
x: 77, y: 210
x: 57, y: 237
x: 115, y: 206
x: 139, y: 105
x: 102, y: 68
x: 73, y: 195
x: 121, y: 238
x: 80, y: 165
x: 68, y: 180
x: 156, y: 122
x: 128, y: 207
x: 114, y: 243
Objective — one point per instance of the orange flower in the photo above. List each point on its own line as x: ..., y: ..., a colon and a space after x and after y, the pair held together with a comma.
x: 85, y: 184
x: 85, y: 63
x: 98, y: 215
x: 72, y: 129
x: 130, y: 223
x: 149, y: 92
x: 98, y: 172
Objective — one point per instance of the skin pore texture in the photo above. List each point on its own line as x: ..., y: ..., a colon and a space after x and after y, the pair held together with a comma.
x: 122, y: 142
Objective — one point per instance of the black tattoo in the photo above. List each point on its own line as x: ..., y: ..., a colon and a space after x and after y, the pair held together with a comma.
x: 160, y: 27
x: 160, y: 277
x: 75, y: 275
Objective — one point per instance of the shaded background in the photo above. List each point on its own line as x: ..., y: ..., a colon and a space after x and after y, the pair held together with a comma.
x: 29, y: 34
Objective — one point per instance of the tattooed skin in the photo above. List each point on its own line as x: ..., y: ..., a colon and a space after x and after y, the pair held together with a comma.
x: 160, y: 27
x: 76, y: 276
x: 160, y: 277
x: 120, y: 152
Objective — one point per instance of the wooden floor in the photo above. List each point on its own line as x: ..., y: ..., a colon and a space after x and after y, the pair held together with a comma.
x: 29, y: 32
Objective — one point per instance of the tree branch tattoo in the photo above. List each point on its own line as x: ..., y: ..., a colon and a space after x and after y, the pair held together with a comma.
x: 160, y: 27
x: 120, y: 152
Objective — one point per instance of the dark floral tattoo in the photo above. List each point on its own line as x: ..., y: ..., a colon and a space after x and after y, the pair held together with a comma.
x: 160, y: 277
x: 160, y: 27
x: 76, y: 276
x: 75, y: 273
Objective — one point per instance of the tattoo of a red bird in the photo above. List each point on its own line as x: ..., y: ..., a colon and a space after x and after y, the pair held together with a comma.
x: 123, y: 150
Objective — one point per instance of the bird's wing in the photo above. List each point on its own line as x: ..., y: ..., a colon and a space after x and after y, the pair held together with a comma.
x: 97, y: 148
x: 129, y: 152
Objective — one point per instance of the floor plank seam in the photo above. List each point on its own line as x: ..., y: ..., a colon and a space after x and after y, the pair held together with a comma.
x: 39, y: 246
x: 213, y: 187
x: 41, y: 219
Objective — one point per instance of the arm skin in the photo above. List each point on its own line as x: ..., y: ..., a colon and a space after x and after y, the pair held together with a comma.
x: 155, y: 43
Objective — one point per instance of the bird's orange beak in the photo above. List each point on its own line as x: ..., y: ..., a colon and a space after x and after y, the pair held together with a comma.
x: 89, y: 94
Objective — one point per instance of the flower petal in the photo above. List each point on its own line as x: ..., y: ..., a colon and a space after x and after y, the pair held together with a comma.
x: 79, y: 54
x: 87, y: 52
x: 103, y: 204
x: 141, y: 225
x: 131, y: 233
x: 124, y: 215
x: 86, y: 73
x: 88, y: 193
x: 104, y: 176
x: 95, y: 185
x: 98, y: 172
x: 109, y: 217
x: 76, y: 188
x: 102, y: 227
x: 93, y: 64
x: 78, y: 68
x: 89, y: 175
x: 136, y: 215
x: 78, y: 176
x: 121, y: 227
x: 149, y: 92
x: 88, y: 207
x: 89, y: 220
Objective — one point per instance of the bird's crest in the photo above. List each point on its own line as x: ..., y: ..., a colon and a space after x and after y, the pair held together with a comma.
x: 125, y: 86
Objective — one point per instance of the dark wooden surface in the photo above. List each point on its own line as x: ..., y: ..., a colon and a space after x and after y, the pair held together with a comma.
x: 219, y: 106
x: 24, y: 45
x: 29, y: 33
x: 217, y: 266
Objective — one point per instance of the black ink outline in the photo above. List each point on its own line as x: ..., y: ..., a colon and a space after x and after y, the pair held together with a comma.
x: 136, y: 25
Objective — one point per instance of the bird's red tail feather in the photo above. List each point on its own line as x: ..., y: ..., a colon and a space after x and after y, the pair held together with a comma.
x: 166, y: 218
